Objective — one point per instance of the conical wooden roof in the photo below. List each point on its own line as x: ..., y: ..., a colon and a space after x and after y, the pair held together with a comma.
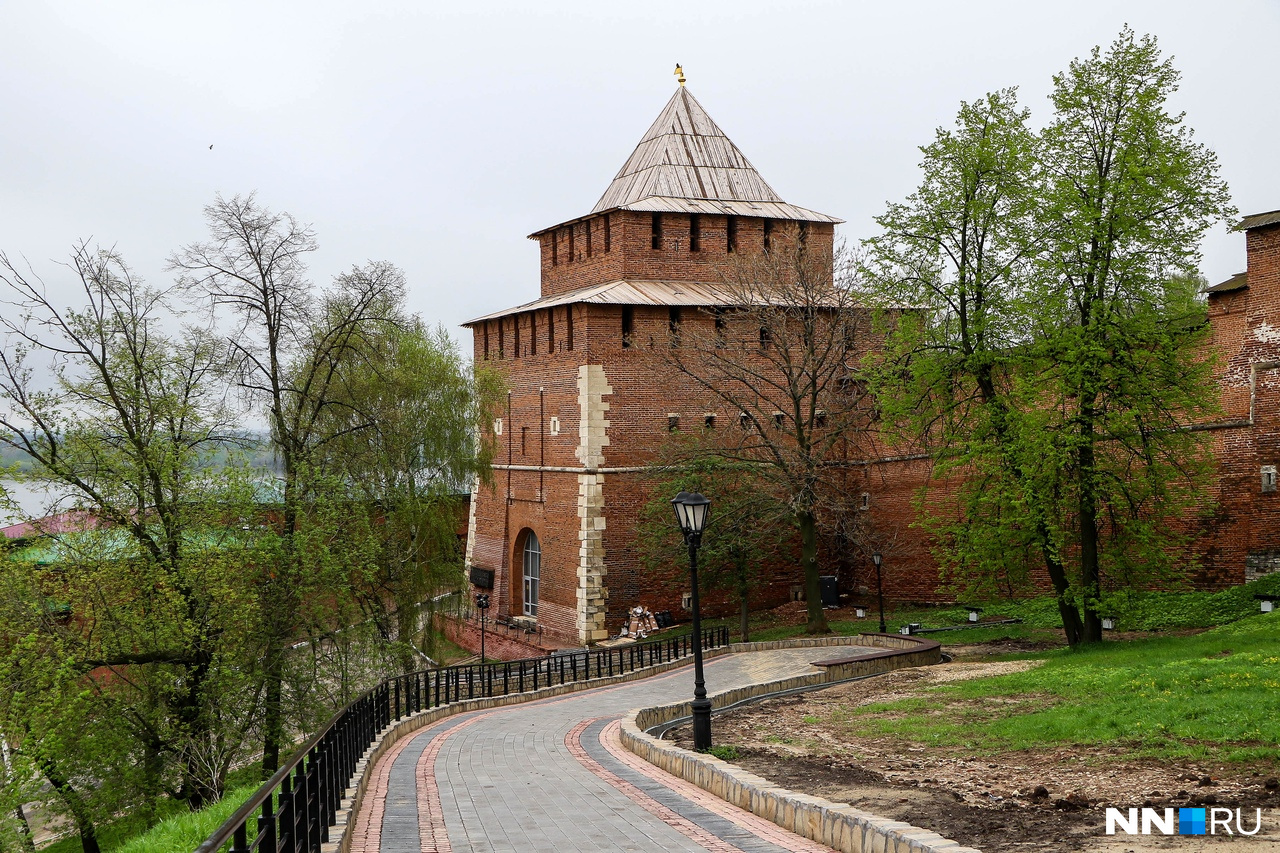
x: 686, y: 163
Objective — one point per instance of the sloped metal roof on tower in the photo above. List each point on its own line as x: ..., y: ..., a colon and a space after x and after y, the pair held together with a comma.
x: 686, y: 164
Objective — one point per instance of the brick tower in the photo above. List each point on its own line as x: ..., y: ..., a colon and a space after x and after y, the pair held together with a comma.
x: 553, y: 540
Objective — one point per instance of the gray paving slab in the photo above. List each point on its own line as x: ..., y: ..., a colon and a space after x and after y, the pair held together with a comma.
x: 507, y: 781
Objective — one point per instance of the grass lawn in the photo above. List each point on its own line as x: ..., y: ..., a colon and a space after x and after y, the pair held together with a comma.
x: 1148, y: 611
x: 180, y: 829
x: 187, y: 831
x: 1213, y: 694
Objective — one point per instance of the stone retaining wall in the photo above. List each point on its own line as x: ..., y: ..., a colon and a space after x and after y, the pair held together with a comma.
x: 836, y: 825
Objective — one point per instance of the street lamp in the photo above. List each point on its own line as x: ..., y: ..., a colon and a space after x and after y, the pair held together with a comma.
x: 482, y: 604
x: 877, y: 559
x: 691, y: 515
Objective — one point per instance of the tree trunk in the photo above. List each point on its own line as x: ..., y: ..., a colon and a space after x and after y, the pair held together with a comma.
x: 817, y: 623
x: 1071, y: 624
x: 79, y: 811
x: 406, y: 628
x: 25, y: 837
x: 1089, y: 573
x: 273, y: 707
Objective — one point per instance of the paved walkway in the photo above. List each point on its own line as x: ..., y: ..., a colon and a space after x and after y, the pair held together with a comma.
x: 552, y: 776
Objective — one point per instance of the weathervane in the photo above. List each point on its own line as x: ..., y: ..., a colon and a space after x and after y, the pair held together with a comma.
x: 679, y: 74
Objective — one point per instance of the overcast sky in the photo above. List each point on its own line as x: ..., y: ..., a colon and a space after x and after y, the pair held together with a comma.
x: 438, y: 135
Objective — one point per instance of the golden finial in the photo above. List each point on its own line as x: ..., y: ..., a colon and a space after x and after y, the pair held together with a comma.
x: 679, y: 74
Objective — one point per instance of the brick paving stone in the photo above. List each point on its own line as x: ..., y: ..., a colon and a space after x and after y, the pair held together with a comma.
x: 543, y: 777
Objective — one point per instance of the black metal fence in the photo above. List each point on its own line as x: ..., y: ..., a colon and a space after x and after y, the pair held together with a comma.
x: 293, y: 811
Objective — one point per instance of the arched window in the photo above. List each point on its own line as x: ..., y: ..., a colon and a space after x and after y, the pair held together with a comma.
x: 532, y: 568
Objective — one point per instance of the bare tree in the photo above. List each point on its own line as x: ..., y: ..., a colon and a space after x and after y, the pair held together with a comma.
x: 289, y: 345
x: 782, y: 353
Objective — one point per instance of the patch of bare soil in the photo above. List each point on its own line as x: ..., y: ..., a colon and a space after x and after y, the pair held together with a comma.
x: 1047, y: 800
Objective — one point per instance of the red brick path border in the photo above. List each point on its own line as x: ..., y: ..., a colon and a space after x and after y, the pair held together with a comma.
x: 759, y: 827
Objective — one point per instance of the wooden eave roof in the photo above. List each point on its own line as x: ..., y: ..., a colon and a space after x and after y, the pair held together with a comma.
x: 694, y: 294
x: 686, y: 164
x: 641, y: 292
x: 1239, y: 281
x: 1258, y: 220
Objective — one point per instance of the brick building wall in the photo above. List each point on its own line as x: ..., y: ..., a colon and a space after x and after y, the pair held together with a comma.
x: 622, y: 246
x: 586, y: 521
x: 587, y: 412
x: 1240, y: 540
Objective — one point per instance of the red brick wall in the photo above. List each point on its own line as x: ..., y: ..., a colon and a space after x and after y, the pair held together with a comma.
x: 631, y: 254
x: 500, y: 642
x: 543, y: 377
x: 1244, y: 527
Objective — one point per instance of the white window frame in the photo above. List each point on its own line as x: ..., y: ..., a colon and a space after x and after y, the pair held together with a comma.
x: 532, y: 569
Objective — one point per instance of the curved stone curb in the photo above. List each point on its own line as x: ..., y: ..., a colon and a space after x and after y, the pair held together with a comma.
x: 837, y: 825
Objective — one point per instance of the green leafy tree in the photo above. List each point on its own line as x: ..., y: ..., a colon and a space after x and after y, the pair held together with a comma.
x: 125, y: 654
x: 1049, y: 356
x: 1129, y: 194
x: 406, y: 448
x: 952, y: 271
x: 292, y: 348
x: 747, y: 533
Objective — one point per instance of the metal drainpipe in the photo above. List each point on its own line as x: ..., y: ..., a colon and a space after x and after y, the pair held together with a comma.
x: 506, y: 518
x: 542, y: 445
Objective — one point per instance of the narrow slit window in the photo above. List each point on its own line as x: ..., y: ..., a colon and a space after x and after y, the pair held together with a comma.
x: 731, y: 234
x: 744, y: 421
x: 533, y: 333
x: 502, y: 342
x: 766, y: 337
x: 555, y: 251
x: 673, y: 422
x: 695, y: 233
x: 524, y: 440
x: 802, y: 237
x: 515, y: 336
x: 568, y: 327
x: 628, y: 325
x: 722, y: 328
x: 778, y: 419
x: 820, y: 419
x: 486, y: 340
x: 607, y: 241
x: 768, y: 234
x: 1268, y: 478
x: 551, y: 330
x: 587, y: 226
x: 657, y: 231
x: 709, y: 421
x: 866, y: 501
x: 572, y: 256
x: 673, y: 324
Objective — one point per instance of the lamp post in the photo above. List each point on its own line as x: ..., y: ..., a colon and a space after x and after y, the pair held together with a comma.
x: 482, y: 604
x: 876, y: 558
x: 691, y: 515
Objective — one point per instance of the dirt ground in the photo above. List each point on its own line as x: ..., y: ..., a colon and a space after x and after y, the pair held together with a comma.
x: 1044, y: 800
